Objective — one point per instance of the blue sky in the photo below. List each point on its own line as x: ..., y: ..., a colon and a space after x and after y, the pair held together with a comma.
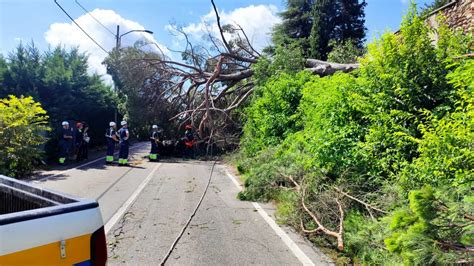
x: 44, y: 23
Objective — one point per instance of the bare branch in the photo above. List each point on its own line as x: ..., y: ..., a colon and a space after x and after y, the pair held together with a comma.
x: 229, y: 49
x: 306, y: 230
x: 289, y: 177
x: 366, y: 205
x: 247, y: 39
x: 338, y: 235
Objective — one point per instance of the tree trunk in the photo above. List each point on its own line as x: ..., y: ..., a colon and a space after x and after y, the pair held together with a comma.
x: 324, y: 68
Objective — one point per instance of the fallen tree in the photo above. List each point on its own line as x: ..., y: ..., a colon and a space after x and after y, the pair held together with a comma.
x: 324, y: 68
x: 214, y: 79
x: 337, y: 194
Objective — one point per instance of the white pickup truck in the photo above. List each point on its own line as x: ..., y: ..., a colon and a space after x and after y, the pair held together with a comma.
x: 41, y: 227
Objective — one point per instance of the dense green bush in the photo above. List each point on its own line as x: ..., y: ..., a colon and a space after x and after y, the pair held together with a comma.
x: 286, y: 59
x: 345, y: 52
x: 23, y: 126
x: 331, y: 123
x: 397, y: 135
x: 273, y: 115
x: 437, y: 226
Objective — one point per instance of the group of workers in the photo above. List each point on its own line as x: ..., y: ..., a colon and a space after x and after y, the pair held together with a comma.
x: 121, y: 136
x: 114, y: 136
x: 74, y: 141
x: 156, y: 140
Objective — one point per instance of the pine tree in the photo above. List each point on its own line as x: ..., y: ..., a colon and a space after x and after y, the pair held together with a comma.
x: 296, y: 25
x: 350, y: 20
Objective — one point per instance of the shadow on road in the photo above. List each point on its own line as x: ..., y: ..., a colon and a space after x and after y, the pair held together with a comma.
x: 58, y: 172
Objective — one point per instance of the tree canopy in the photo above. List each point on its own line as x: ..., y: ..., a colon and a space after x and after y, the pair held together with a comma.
x: 143, y: 91
x: 317, y: 24
x: 59, y: 80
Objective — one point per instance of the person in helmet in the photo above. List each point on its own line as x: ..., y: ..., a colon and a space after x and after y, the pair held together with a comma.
x: 155, y: 139
x: 112, y: 139
x: 65, y: 142
x: 189, y: 141
x: 123, y: 139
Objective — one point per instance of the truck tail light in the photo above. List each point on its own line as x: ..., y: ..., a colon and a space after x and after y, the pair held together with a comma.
x: 98, y: 248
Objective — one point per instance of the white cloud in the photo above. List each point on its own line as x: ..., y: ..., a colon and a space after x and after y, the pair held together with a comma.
x: 69, y: 35
x: 256, y: 20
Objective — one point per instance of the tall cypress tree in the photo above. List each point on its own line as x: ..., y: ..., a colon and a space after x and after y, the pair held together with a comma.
x: 323, y: 30
x: 313, y: 24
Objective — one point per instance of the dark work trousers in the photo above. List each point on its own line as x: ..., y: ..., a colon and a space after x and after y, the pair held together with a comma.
x: 110, y: 147
x: 123, y: 154
x: 154, y: 151
x: 64, y: 147
x: 188, y: 151
x: 84, y: 151
x: 154, y: 147
x: 81, y: 151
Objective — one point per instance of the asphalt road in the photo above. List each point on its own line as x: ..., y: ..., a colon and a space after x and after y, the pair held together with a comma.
x: 145, y: 206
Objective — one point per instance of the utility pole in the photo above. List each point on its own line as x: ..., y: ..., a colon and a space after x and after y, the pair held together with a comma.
x: 116, y: 55
x: 118, y: 38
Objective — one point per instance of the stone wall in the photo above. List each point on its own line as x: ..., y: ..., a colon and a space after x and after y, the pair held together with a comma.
x: 459, y: 15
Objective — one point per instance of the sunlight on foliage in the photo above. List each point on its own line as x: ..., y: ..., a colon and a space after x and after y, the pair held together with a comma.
x: 398, y: 135
x: 23, y: 127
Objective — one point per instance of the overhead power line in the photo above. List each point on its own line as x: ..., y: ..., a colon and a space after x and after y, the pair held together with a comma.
x: 90, y: 14
x: 90, y: 37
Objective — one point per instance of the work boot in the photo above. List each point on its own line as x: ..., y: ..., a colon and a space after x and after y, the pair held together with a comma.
x: 123, y: 162
x: 109, y: 159
x: 153, y: 157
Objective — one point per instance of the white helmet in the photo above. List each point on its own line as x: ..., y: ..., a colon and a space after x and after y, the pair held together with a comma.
x: 123, y: 123
x: 65, y: 123
x: 112, y: 124
x: 154, y: 126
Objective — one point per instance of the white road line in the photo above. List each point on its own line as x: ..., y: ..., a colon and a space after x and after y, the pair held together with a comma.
x: 77, y: 167
x: 302, y: 257
x: 120, y: 212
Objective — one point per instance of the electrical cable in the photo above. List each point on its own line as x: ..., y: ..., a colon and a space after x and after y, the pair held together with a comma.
x: 90, y: 14
x: 90, y: 37
x: 168, y: 254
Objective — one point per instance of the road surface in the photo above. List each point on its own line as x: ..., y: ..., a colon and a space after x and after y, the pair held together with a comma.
x: 146, y: 206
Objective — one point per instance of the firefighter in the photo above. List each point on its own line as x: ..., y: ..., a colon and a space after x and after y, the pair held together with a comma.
x: 65, y: 142
x: 155, y: 139
x: 123, y: 139
x: 111, y: 137
x: 189, y: 142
